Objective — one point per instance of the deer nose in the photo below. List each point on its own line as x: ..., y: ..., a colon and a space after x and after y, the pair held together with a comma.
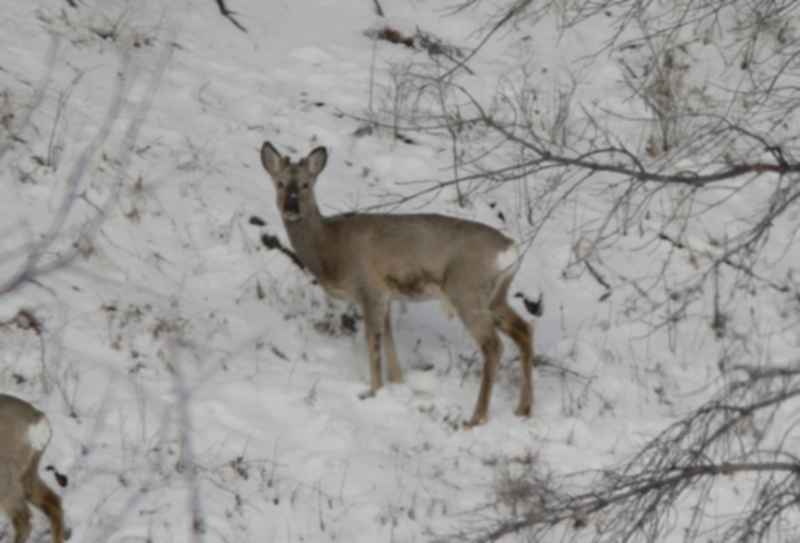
x: 292, y: 202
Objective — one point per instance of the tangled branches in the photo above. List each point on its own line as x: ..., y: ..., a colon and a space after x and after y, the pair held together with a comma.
x: 699, y: 120
x: 735, y: 445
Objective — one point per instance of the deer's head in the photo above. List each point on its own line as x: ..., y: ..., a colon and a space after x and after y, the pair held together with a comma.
x: 294, y: 181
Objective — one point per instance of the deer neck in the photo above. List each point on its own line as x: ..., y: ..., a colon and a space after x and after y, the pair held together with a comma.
x: 308, y: 237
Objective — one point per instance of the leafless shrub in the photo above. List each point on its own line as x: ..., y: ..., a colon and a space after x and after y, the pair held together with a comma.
x: 726, y: 145
x: 726, y: 135
x: 734, y: 444
x: 662, y: 86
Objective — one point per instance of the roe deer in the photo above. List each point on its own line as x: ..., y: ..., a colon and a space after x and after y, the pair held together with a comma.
x: 24, y: 435
x: 371, y: 258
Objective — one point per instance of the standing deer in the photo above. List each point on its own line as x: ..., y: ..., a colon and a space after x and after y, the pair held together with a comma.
x: 24, y: 435
x: 370, y: 259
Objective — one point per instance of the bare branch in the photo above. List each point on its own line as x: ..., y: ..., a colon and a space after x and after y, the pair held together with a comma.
x: 230, y: 15
x: 272, y: 242
x: 686, y: 460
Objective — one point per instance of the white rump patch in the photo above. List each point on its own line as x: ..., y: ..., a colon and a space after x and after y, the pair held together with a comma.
x: 39, y: 434
x: 508, y: 258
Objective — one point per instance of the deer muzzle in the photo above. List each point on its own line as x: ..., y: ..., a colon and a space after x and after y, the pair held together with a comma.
x: 291, y: 206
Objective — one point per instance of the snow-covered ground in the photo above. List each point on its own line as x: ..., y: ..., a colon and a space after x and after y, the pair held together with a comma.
x: 185, y: 368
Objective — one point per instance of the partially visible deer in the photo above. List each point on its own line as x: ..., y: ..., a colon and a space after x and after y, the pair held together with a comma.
x: 24, y: 435
x: 370, y: 259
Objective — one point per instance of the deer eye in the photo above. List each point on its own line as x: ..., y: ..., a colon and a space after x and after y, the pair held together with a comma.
x: 281, y: 184
x: 304, y: 186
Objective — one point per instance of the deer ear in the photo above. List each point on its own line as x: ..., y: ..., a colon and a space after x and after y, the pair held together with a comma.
x: 316, y: 160
x: 271, y: 159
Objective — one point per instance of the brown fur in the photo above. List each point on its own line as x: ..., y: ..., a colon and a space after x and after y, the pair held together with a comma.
x: 371, y: 259
x: 414, y: 286
x: 19, y: 475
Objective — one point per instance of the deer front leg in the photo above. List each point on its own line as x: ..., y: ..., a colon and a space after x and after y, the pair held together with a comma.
x: 395, y: 373
x: 373, y: 313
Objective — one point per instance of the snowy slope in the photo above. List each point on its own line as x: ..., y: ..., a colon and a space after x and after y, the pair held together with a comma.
x: 195, y: 392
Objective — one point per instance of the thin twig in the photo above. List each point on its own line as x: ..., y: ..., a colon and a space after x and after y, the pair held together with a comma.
x: 230, y: 15
x: 272, y: 242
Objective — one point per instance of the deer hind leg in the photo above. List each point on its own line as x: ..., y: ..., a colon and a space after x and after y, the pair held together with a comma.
x: 491, y: 348
x: 12, y: 501
x: 515, y: 327
x: 20, y: 516
x: 479, y: 321
x: 374, y: 310
x: 395, y: 374
x: 49, y: 503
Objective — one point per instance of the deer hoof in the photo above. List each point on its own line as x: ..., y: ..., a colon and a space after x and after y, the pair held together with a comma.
x: 523, y: 411
x: 475, y: 421
x: 366, y: 394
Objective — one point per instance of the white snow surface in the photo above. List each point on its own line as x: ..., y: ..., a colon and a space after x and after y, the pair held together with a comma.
x: 195, y: 390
